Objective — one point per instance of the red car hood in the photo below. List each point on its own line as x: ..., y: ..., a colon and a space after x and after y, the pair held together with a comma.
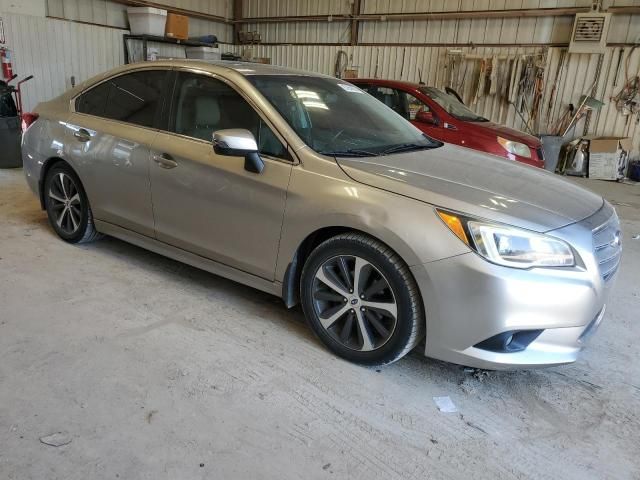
x: 508, y: 133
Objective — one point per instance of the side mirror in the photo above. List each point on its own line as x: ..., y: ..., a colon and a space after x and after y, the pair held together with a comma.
x: 426, y: 117
x: 238, y: 142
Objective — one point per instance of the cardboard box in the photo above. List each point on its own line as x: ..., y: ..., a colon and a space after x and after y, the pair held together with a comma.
x: 177, y: 26
x: 608, y: 157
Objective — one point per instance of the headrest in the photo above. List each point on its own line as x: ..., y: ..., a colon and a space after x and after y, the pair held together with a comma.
x: 207, y: 111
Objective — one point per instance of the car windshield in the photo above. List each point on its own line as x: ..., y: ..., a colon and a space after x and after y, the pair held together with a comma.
x: 334, y: 117
x: 452, y: 105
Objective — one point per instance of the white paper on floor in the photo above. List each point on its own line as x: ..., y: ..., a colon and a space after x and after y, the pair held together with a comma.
x: 445, y: 404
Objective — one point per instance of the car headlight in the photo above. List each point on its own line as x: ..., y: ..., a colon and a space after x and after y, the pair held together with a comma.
x: 516, y: 148
x: 509, y: 246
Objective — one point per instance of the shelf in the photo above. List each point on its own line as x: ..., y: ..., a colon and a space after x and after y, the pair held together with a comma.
x: 152, y: 38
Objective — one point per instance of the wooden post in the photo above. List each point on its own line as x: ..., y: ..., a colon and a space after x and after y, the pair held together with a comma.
x: 237, y: 15
x: 355, y: 25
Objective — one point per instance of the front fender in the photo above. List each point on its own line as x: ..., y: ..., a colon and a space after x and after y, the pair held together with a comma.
x: 316, y: 201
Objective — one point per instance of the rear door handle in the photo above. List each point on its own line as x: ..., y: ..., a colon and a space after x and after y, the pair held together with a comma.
x: 165, y: 161
x: 82, y: 135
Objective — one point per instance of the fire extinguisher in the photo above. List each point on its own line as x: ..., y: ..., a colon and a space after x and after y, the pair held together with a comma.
x: 7, y: 69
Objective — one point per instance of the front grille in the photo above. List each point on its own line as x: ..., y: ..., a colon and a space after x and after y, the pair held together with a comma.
x: 607, y: 246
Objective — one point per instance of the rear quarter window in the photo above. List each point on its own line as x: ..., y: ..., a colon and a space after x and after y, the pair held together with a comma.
x: 132, y: 98
x: 94, y: 101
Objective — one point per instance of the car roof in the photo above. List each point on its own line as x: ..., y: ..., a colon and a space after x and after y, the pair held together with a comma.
x: 381, y: 81
x: 243, y: 68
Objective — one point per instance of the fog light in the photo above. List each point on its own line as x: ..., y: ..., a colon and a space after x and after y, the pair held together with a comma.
x: 509, y: 342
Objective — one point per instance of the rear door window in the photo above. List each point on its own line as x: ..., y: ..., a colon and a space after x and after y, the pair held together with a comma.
x: 132, y: 98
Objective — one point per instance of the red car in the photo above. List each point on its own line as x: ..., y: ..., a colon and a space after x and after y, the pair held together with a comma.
x: 443, y: 117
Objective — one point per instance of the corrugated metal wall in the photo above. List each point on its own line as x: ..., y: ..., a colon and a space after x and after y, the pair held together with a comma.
x: 507, y: 30
x: 94, y: 11
x: 624, y: 28
x: 403, y: 63
x: 299, y: 32
x: 86, y: 50
x: 105, y: 12
x: 55, y: 50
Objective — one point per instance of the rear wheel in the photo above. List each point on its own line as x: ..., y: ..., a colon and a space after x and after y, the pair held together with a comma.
x: 67, y: 206
x: 361, y: 300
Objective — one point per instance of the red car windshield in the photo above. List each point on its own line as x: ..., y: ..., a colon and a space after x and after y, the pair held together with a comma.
x: 452, y: 105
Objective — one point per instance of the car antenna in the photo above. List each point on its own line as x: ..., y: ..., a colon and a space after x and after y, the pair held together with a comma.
x: 420, y: 82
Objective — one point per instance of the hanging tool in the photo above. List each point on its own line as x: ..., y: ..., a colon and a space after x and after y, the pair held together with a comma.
x: 627, y: 100
x: 493, y: 78
x: 341, y: 63
x: 459, y: 82
x: 615, y: 77
x: 479, y: 86
x: 552, y: 94
x: 587, y: 104
x: 593, y: 93
x: 375, y: 72
x: 538, y: 90
x: 562, y: 122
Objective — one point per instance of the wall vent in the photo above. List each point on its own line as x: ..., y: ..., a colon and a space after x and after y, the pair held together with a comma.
x: 589, y: 33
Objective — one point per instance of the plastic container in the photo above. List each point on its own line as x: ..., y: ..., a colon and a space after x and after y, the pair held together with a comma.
x: 10, y: 153
x: 203, y: 53
x: 147, y: 21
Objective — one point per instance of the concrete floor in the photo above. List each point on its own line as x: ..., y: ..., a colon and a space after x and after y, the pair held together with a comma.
x: 156, y: 370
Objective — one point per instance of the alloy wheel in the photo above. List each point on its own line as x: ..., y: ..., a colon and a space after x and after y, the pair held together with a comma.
x: 66, y: 203
x: 354, y: 302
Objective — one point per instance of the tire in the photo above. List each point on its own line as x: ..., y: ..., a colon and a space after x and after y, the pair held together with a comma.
x: 339, y: 308
x: 67, y: 206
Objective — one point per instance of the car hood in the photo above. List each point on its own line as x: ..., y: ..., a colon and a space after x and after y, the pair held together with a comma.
x: 508, y: 133
x: 478, y: 184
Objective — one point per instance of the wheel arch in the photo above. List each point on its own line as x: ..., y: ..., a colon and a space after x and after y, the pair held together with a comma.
x: 48, y: 165
x: 291, y: 279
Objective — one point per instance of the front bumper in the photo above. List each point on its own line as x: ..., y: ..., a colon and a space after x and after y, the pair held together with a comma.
x: 469, y: 300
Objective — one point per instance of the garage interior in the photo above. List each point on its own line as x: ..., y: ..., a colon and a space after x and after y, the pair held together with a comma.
x: 116, y: 362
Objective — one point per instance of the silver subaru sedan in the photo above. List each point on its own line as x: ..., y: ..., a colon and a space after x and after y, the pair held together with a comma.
x: 306, y: 187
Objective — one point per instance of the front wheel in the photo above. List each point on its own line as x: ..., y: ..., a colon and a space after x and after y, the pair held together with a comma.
x: 361, y: 300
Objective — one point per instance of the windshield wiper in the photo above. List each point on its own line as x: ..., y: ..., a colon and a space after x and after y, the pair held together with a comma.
x: 352, y: 152
x: 405, y: 147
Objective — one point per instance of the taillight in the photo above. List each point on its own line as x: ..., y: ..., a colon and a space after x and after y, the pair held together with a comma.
x: 27, y: 119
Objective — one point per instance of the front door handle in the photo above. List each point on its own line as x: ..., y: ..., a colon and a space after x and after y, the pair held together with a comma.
x: 165, y: 161
x: 82, y: 135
